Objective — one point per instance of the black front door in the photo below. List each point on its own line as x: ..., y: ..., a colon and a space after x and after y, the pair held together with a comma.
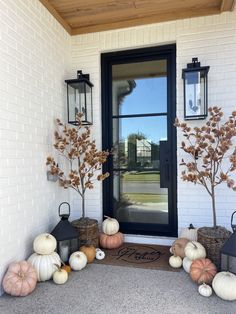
x: 138, y: 112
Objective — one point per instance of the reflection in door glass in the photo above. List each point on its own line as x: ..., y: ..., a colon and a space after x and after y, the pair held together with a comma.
x: 138, y: 197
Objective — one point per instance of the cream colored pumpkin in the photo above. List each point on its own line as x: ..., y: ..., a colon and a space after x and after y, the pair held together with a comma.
x: 189, y: 233
x: 175, y: 261
x: 20, y: 279
x: 187, y: 264
x: 205, y: 290
x: 44, y: 244
x: 78, y: 260
x: 60, y: 276
x: 110, y: 226
x: 195, y: 250
x: 45, y: 265
x: 100, y: 254
x: 224, y: 285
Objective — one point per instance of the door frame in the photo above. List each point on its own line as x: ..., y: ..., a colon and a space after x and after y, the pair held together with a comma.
x: 120, y: 57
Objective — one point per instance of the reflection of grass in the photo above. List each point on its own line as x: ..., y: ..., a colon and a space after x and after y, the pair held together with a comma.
x: 142, y: 177
x: 146, y: 198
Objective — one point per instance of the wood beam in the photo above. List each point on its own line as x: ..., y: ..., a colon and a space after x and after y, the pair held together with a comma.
x: 57, y: 16
x: 156, y: 18
x: 227, y: 5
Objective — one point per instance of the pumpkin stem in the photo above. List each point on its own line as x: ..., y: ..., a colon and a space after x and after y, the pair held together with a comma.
x: 21, y: 274
x: 107, y: 217
x: 57, y: 266
x: 194, y: 245
x: 191, y: 227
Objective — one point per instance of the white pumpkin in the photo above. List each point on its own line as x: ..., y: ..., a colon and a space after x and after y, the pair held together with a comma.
x: 189, y: 233
x: 175, y: 261
x: 205, y: 290
x: 44, y: 244
x: 100, y: 254
x: 45, y: 265
x: 110, y: 226
x: 224, y: 285
x: 187, y: 264
x: 78, y: 260
x: 195, y: 250
x: 60, y: 276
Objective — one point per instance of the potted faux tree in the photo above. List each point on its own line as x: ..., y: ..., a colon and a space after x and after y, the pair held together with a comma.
x: 211, y: 160
x: 84, y: 163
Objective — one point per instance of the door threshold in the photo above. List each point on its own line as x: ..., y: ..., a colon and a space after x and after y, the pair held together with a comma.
x: 144, y: 239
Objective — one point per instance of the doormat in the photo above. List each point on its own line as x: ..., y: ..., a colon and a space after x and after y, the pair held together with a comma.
x: 139, y: 255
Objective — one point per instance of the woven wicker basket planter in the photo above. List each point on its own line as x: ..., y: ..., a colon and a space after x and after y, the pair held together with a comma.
x: 87, y: 231
x: 213, y: 239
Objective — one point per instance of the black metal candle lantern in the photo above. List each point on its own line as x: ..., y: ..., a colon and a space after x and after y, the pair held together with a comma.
x: 79, y: 98
x: 228, y: 251
x: 66, y: 235
x: 195, y: 90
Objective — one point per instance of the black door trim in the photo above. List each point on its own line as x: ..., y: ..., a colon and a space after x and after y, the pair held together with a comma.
x: 136, y: 55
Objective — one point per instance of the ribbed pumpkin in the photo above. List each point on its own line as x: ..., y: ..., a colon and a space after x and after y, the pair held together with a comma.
x: 20, y: 279
x: 178, y: 247
x: 111, y: 241
x: 89, y: 251
x: 202, y: 270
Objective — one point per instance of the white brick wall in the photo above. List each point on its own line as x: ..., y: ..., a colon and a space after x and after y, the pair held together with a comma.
x: 34, y: 57
x: 213, y: 40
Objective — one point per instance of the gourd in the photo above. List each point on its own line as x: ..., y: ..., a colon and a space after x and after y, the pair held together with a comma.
x: 189, y: 233
x: 89, y: 251
x: 100, y: 254
x: 205, y: 290
x: 111, y: 241
x: 224, y: 285
x: 44, y: 244
x: 202, y: 270
x: 194, y: 250
x: 178, y: 247
x: 20, y: 279
x: 175, y: 261
x: 45, y: 265
x: 67, y: 268
x: 110, y: 226
x: 60, y: 276
x: 187, y: 264
x: 78, y: 260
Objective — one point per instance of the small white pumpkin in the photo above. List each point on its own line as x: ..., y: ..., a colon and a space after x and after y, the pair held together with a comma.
x: 45, y: 265
x: 187, y: 264
x: 110, y: 226
x: 205, y: 290
x: 175, y: 261
x: 78, y: 260
x: 100, y: 254
x: 224, y: 285
x: 189, y: 233
x: 195, y: 250
x: 44, y: 244
x: 60, y: 276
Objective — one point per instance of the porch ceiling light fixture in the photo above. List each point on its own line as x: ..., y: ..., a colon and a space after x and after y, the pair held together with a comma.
x: 228, y: 251
x: 79, y: 99
x: 66, y: 235
x: 195, y: 90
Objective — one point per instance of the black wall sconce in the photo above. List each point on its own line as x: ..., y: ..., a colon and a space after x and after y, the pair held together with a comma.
x: 79, y: 99
x: 195, y: 90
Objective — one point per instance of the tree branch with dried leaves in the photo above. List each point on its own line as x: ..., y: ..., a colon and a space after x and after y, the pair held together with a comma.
x: 85, y: 160
x: 211, y: 152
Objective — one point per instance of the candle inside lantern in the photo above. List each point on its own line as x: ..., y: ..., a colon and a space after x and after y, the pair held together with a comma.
x: 64, y: 251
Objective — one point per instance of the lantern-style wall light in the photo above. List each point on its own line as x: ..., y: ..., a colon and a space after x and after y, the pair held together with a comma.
x: 66, y: 235
x: 79, y: 98
x: 195, y: 90
x: 228, y: 251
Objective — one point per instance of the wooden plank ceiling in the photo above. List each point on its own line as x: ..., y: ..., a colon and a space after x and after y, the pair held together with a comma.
x: 86, y: 16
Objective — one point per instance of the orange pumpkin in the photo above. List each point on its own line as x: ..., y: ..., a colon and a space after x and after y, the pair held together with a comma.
x: 111, y: 241
x: 89, y: 251
x: 178, y: 247
x: 203, y: 270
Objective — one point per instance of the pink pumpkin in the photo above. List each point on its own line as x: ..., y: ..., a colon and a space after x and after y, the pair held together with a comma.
x: 20, y: 279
